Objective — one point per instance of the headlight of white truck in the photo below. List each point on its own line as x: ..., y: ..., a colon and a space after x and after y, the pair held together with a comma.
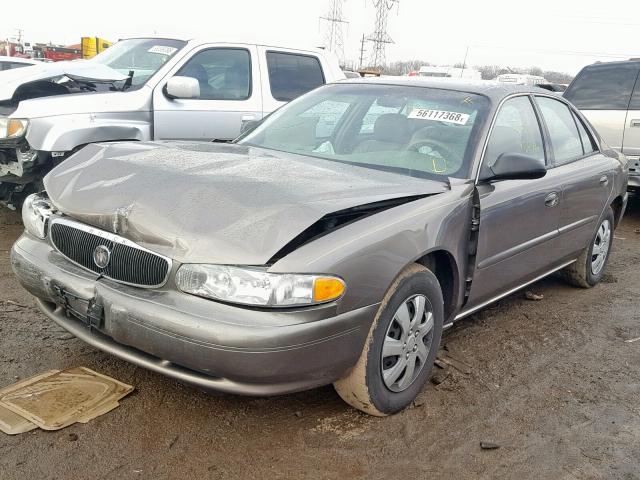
x: 36, y: 211
x: 13, y: 127
x: 249, y: 286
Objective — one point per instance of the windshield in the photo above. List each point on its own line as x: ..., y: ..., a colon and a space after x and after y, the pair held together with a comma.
x: 417, y: 131
x: 143, y: 56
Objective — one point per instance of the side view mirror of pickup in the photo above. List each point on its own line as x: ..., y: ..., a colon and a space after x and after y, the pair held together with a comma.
x: 182, y: 87
x: 516, y: 166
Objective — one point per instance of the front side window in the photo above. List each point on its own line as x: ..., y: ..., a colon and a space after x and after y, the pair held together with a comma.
x: 142, y: 56
x: 563, y: 131
x: 292, y: 75
x: 223, y: 73
x: 416, y: 131
x: 603, y: 87
x: 516, y: 130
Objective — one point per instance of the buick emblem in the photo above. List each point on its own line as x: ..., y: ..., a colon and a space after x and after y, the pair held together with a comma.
x: 101, y: 256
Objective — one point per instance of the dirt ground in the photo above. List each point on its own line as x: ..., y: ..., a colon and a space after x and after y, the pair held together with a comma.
x: 555, y: 383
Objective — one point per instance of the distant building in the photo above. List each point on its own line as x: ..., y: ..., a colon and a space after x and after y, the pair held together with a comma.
x: 450, y: 72
x: 520, y: 79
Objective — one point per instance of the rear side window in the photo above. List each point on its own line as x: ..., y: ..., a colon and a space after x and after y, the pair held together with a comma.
x: 292, y: 75
x: 588, y: 144
x: 603, y: 87
x: 635, y: 98
x: 563, y: 131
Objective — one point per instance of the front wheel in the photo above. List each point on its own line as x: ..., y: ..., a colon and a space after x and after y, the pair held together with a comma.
x: 589, y: 268
x: 401, y: 346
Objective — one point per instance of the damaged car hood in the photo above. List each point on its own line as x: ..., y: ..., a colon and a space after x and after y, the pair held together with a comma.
x: 11, y: 80
x: 214, y: 203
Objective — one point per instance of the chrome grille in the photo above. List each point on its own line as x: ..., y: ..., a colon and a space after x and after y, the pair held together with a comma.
x: 129, y: 263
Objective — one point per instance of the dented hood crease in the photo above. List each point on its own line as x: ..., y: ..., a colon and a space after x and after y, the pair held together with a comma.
x: 214, y: 203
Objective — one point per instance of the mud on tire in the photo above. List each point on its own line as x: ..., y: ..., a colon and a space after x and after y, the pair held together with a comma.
x: 402, y: 343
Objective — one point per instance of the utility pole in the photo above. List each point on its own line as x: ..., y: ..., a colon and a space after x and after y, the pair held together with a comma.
x: 334, y: 35
x: 361, y: 50
x: 380, y: 38
x: 464, y: 62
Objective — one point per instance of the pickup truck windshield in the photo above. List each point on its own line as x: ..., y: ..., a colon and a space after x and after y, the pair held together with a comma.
x: 143, y: 56
x: 413, y: 130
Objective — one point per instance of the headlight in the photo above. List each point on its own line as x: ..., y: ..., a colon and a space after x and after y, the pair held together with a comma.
x: 256, y: 287
x: 36, y: 211
x: 13, y: 127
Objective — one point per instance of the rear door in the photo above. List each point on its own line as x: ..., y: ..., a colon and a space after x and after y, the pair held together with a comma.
x: 602, y: 93
x: 518, y: 218
x: 587, y: 174
x: 287, y: 75
x: 230, y: 94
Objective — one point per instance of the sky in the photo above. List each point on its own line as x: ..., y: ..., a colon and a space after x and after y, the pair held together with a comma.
x: 552, y: 34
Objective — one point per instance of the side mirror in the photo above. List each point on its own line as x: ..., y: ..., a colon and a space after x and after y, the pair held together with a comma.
x: 249, y: 125
x: 516, y: 166
x: 182, y: 87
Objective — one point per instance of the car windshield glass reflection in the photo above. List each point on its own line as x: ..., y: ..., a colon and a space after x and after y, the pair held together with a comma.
x: 412, y: 130
x: 142, y: 56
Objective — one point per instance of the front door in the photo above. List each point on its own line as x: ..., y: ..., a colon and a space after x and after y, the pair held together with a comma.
x: 518, y: 218
x: 230, y: 94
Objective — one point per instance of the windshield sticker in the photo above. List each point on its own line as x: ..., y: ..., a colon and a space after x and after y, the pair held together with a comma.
x: 440, y: 116
x: 162, y: 50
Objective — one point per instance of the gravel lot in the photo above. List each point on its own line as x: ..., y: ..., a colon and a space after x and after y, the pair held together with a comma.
x: 555, y: 383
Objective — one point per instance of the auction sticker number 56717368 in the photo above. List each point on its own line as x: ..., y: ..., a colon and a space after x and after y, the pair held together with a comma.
x: 439, y: 116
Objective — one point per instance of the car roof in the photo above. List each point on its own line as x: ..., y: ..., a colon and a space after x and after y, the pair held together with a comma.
x: 17, y: 60
x: 489, y: 88
x: 632, y: 61
x: 263, y: 42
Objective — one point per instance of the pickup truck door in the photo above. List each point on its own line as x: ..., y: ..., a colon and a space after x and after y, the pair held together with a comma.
x: 518, y: 218
x: 230, y: 94
x: 587, y: 174
x: 287, y: 74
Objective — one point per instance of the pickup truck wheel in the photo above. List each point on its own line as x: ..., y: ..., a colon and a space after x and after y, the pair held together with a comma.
x: 401, y: 346
x: 587, y: 271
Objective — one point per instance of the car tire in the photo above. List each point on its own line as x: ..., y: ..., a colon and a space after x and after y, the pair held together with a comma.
x: 376, y: 384
x: 589, y: 268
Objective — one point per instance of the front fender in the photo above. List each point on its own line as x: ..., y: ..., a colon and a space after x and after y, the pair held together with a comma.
x: 369, y: 253
x: 63, y: 133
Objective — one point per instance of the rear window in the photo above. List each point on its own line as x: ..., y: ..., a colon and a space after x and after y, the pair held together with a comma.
x: 603, y: 87
x: 292, y: 75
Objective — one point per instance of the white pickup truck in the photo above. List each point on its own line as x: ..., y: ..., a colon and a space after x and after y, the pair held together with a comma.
x: 144, y: 89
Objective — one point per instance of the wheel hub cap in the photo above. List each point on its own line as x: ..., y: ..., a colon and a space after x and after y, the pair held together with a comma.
x: 407, y: 343
x: 600, y: 248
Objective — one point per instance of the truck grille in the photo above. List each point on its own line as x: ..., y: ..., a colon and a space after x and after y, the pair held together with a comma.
x: 128, y: 263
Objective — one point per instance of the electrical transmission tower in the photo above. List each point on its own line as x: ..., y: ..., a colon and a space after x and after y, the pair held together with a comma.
x: 334, y: 35
x: 380, y: 38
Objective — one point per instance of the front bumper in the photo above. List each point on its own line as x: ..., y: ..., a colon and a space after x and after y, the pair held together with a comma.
x: 209, y: 344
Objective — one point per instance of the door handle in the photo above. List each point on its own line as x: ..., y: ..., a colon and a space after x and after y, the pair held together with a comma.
x: 635, y: 122
x: 604, y: 180
x: 249, y: 118
x: 551, y: 200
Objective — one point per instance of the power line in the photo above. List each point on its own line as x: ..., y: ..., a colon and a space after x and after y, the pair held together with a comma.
x: 380, y: 38
x: 334, y: 35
